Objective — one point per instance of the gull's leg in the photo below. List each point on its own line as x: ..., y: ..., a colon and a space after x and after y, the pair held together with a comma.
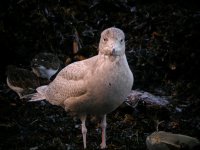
x: 103, y: 127
x: 83, y: 129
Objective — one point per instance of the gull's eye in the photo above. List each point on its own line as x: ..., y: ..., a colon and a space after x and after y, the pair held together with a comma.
x: 122, y: 40
x: 105, y: 39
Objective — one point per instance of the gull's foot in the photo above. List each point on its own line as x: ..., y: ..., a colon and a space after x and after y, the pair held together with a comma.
x: 103, y: 145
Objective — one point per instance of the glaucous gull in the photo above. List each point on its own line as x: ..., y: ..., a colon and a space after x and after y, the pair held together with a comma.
x: 94, y: 86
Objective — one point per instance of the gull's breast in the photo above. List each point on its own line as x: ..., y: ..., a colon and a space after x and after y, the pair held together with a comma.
x: 109, y: 88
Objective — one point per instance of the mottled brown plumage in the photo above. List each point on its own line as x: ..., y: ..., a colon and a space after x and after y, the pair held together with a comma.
x: 21, y: 81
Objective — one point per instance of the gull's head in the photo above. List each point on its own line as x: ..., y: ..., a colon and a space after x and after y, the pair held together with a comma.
x: 112, y: 42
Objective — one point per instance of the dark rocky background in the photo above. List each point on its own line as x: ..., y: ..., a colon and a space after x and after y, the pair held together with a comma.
x: 162, y: 46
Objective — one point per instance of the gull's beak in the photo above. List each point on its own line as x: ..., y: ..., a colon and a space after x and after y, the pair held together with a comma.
x: 114, y: 47
x: 113, y: 51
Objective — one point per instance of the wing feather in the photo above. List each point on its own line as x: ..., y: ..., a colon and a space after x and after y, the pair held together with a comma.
x: 69, y: 82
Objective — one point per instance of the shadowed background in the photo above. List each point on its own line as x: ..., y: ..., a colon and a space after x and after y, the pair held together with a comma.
x: 162, y: 45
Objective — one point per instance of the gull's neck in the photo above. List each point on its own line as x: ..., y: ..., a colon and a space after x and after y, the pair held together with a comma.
x: 105, y: 59
x: 112, y: 57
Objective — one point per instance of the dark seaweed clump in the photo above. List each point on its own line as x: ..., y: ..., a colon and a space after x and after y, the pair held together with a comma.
x: 162, y: 46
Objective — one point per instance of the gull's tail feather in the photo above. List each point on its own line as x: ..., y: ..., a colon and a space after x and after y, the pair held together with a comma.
x: 39, y: 96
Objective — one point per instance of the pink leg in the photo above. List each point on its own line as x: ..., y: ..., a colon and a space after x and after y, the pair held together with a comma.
x: 83, y: 129
x: 103, y: 126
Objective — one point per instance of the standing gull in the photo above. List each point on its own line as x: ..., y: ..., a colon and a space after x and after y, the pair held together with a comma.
x: 94, y: 86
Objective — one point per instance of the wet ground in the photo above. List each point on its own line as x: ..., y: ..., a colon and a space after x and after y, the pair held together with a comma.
x: 162, y: 51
